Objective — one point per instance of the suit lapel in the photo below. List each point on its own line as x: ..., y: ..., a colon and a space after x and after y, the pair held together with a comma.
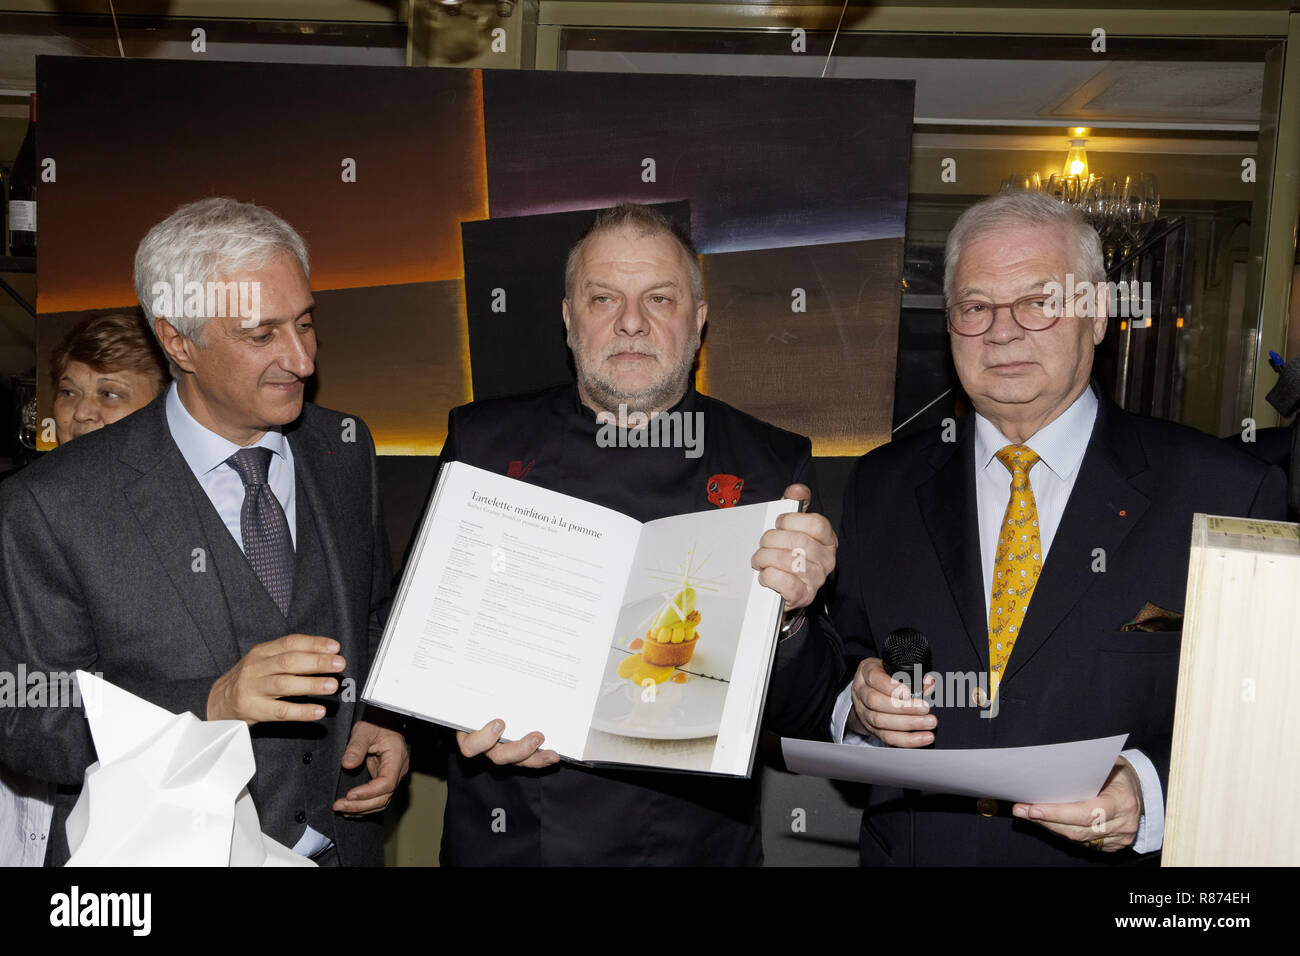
x: 1103, y: 507
x: 948, y: 509
x: 163, y: 502
x: 325, y: 489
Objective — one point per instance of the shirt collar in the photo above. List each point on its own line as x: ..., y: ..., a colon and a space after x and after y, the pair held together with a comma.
x: 204, y: 450
x: 687, y: 403
x: 1060, y: 444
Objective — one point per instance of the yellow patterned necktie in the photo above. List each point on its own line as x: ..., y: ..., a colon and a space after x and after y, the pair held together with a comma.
x: 1018, y: 562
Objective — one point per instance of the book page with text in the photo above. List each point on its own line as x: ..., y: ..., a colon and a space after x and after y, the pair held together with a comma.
x: 505, y: 609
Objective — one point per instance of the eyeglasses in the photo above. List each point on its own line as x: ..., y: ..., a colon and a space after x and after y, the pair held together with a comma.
x: 1033, y: 313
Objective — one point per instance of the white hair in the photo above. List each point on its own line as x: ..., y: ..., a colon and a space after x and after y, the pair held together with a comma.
x: 1024, y: 208
x: 204, y: 239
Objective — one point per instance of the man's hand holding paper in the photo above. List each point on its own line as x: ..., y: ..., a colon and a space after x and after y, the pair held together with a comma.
x: 1108, y: 822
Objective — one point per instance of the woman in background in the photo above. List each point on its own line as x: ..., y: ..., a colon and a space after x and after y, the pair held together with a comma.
x: 105, y: 368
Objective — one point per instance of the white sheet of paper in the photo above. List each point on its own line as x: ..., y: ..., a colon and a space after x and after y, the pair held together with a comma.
x: 1053, y: 773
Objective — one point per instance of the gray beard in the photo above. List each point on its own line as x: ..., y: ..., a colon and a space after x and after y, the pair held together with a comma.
x: 657, y: 397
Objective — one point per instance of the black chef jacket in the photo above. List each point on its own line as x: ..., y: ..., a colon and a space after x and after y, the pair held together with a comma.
x: 572, y: 815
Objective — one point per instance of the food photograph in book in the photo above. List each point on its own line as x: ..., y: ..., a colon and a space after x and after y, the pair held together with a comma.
x: 664, y: 693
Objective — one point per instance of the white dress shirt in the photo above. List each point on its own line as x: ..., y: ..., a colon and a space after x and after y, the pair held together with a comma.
x: 1060, y: 445
x: 26, y: 808
x: 206, y: 453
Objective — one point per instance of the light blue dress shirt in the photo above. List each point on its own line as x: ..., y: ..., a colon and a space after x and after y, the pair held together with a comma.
x: 206, y: 453
x: 26, y: 808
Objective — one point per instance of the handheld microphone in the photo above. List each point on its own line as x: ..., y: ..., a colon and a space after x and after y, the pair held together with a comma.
x: 906, y: 657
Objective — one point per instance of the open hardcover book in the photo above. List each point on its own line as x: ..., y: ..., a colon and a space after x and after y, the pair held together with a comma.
x: 621, y: 642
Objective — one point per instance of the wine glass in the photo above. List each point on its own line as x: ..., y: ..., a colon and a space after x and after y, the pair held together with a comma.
x: 1109, y: 215
x: 1056, y: 187
x: 1093, y: 202
x: 1151, y: 207
x: 1132, y: 202
x: 1021, y: 181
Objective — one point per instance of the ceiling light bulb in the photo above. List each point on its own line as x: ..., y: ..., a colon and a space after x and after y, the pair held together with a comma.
x: 1076, y: 160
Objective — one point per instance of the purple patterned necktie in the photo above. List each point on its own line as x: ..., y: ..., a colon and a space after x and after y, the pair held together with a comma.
x: 267, y: 542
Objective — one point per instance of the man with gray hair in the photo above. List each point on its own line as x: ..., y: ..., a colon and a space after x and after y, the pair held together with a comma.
x: 220, y: 551
x: 634, y: 310
x: 1042, y: 549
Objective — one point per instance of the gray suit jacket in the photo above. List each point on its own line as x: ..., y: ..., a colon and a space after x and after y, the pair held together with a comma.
x: 99, y: 571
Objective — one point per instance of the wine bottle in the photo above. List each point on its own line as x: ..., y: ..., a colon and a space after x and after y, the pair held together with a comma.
x: 22, y: 192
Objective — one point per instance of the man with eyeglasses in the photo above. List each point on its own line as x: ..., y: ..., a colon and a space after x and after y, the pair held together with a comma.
x: 1042, y: 548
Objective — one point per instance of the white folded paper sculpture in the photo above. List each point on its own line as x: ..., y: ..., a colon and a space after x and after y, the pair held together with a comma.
x: 168, y: 789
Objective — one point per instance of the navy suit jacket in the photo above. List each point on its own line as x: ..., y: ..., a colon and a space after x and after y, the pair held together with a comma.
x: 909, y: 556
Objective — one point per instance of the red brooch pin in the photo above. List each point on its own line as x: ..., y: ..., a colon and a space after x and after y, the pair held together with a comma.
x: 724, y: 490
